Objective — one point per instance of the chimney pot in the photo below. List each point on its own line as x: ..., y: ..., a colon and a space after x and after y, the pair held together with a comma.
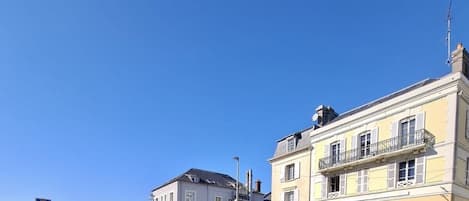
x: 258, y: 186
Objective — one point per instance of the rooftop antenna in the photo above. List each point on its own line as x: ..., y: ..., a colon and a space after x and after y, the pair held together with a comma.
x: 448, y: 34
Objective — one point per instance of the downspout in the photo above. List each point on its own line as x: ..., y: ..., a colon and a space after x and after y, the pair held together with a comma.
x: 310, y: 170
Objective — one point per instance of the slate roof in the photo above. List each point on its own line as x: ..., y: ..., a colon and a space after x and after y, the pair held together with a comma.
x: 205, y: 177
x: 268, y: 197
x: 384, y: 99
x: 304, y: 139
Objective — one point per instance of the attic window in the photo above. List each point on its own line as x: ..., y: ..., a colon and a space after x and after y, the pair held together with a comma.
x: 193, y: 178
x: 291, y: 144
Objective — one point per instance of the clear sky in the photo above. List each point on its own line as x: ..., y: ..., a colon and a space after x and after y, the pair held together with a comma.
x: 106, y: 99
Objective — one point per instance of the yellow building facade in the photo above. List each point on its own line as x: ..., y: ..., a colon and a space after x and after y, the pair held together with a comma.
x: 412, y: 145
x: 291, y: 168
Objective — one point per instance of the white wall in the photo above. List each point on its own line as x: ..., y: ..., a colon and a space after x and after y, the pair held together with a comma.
x: 166, y: 190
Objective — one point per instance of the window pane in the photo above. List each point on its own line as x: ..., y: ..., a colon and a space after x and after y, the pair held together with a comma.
x: 411, y: 163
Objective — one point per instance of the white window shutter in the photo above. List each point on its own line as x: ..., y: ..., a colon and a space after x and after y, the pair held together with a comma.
x: 295, y: 195
x: 282, y: 173
x: 420, y: 121
x: 359, y: 181
x: 365, y: 180
x: 342, y: 156
x: 374, y: 141
x: 419, y: 173
x: 467, y: 124
x: 391, y: 175
x: 324, y: 187
x: 282, y: 196
x: 327, y: 153
x: 355, y: 146
x: 297, y: 170
x: 394, y: 134
x: 342, y: 184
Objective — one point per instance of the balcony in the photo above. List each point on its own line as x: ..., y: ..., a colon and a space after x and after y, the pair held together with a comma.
x: 377, y: 151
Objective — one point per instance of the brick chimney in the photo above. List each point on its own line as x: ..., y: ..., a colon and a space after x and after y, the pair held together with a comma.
x: 324, y: 114
x: 258, y: 186
x: 460, y: 60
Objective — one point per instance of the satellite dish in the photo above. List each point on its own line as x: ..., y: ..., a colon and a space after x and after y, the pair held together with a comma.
x: 315, y: 117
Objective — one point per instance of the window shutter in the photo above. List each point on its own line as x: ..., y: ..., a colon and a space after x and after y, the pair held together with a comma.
x: 467, y: 124
x: 365, y: 180
x: 419, y: 170
x: 359, y: 181
x: 342, y: 184
x: 297, y: 170
x: 355, y: 146
x: 295, y: 195
x: 342, y: 151
x: 391, y: 175
x: 374, y: 141
x: 327, y: 153
x: 282, y: 173
x: 282, y: 196
x: 324, y: 187
x: 420, y: 121
x: 394, y: 134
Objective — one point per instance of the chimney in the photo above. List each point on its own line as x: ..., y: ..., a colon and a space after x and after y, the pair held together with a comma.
x: 324, y: 114
x: 460, y: 60
x: 258, y: 186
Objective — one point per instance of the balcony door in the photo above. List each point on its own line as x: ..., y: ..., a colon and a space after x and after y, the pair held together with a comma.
x: 335, y: 152
x: 407, y: 131
x: 365, y: 144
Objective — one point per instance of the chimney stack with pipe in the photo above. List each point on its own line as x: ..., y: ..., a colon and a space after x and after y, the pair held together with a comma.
x: 324, y: 114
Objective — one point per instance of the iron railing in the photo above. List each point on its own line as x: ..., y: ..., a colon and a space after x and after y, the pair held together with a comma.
x: 419, y: 137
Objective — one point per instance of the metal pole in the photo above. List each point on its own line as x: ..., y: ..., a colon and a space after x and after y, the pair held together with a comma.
x: 237, y: 177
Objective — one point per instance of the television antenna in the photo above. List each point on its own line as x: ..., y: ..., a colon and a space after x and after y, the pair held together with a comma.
x: 448, y: 34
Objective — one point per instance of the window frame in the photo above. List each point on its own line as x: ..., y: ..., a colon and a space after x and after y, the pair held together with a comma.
x: 286, y: 195
x: 290, y: 169
x: 219, y: 198
x: 409, y: 133
x: 291, y: 148
x: 335, y: 154
x: 407, y: 171
x: 193, y: 195
x: 364, y: 151
x: 171, y: 196
x: 336, y: 187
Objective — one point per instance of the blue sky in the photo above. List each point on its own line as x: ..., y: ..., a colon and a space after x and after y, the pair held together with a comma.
x: 104, y: 100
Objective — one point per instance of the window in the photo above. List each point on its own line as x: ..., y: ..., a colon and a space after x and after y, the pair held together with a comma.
x: 156, y: 199
x: 467, y: 124
x: 291, y: 144
x: 290, y: 172
x: 406, y: 170
x: 217, y: 198
x: 334, y: 184
x: 190, y: 196
x: 365, y: 142
x: 335, y: 152
x: 467, y: 171
x: 165, y: 197
x: 407, y: 131
x: 289, y: 196
x: 171, y: 196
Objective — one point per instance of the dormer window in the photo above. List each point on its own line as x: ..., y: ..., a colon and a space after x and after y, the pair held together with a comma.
x: 291, y: 144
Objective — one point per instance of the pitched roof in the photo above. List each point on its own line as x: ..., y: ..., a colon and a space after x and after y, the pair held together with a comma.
x: 303, y: 140
x: 204, y: 177
x: 384, y: 99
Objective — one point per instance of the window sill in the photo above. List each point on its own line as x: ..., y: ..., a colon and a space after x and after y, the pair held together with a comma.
x: 333, y: 195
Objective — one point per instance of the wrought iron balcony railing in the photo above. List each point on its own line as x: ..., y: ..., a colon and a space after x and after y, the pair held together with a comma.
x: 413, y: 140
